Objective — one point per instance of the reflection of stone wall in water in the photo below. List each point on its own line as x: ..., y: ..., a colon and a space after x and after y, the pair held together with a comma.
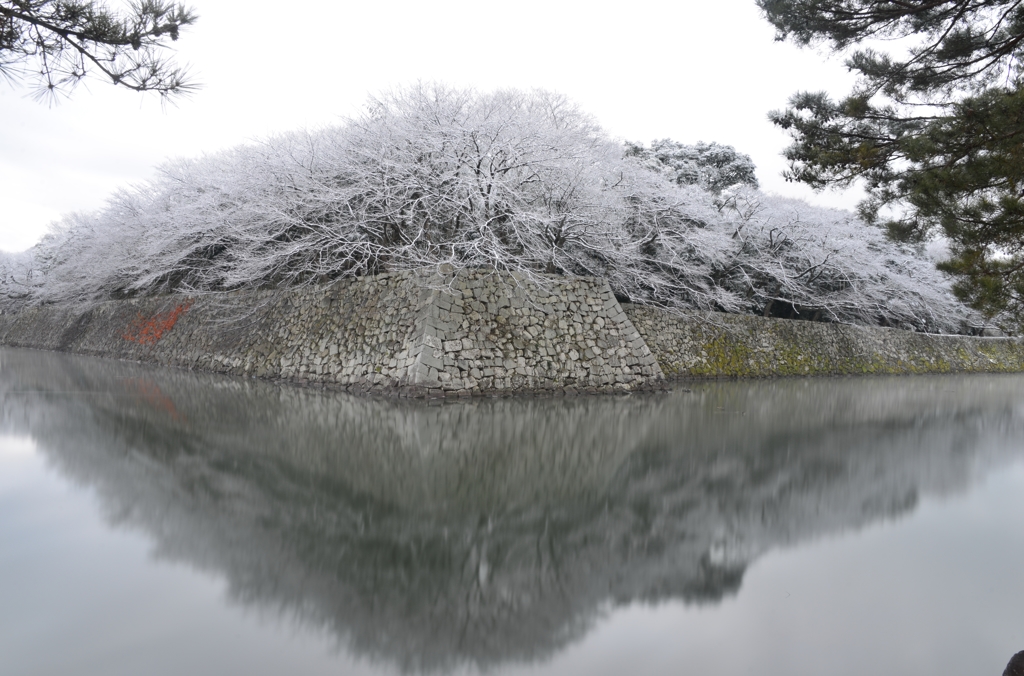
x: 489, y: 531
x: 484, y: 454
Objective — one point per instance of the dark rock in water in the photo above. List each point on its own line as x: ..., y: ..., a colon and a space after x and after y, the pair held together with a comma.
x: 1016, y: 665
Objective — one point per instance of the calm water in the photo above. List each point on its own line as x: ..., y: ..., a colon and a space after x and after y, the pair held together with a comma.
x: 162, y: 522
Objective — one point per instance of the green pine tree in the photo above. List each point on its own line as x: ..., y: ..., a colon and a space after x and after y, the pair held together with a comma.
x: 934, y: 132
x: 60, y: 42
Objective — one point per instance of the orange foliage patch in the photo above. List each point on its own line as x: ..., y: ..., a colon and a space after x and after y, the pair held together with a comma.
x: 149, y: 330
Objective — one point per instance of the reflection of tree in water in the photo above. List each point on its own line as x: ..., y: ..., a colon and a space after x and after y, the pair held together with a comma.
x: 494, y: 530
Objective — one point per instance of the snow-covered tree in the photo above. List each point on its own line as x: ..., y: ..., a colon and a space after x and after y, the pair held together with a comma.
x: 711, y: 166
x: 799, y: 261
x: 442, y: 178
x: 16, y: 279
x: 429, y: 176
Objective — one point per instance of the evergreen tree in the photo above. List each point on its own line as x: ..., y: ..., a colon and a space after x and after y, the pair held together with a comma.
x: 711, y: 166
x: 935, y: 130
x: 60, y: 42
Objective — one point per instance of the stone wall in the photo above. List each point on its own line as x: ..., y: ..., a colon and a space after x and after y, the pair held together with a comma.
x: 716, y: 345
x: 401, y: 333
x: 481, y: 332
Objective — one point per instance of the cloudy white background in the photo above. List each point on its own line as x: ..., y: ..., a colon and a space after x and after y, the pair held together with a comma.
x: 686, y: 70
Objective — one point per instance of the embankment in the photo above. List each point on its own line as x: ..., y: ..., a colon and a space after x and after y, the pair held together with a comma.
x: 409, y: 334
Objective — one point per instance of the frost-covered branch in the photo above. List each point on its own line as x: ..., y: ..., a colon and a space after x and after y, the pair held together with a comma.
x: 512, y: 181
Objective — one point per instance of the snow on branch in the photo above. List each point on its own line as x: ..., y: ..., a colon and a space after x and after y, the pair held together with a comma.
x: 511, y: 181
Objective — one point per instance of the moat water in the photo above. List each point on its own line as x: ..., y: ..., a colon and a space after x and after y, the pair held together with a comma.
x: 157, y: 521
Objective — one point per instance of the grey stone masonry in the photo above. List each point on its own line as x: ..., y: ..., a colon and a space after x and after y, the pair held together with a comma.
x: 715, y: 345
x: 408, y: 334
x: 480, y: 332
x: 488, y: 332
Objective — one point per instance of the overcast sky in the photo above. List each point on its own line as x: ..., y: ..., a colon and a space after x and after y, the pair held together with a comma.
x: 687, y: 70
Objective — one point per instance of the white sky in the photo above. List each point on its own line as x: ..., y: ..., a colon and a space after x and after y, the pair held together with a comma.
x: 687, y: 70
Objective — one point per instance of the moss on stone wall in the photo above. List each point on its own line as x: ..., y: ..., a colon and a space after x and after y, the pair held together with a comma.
x: 713, y: 345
